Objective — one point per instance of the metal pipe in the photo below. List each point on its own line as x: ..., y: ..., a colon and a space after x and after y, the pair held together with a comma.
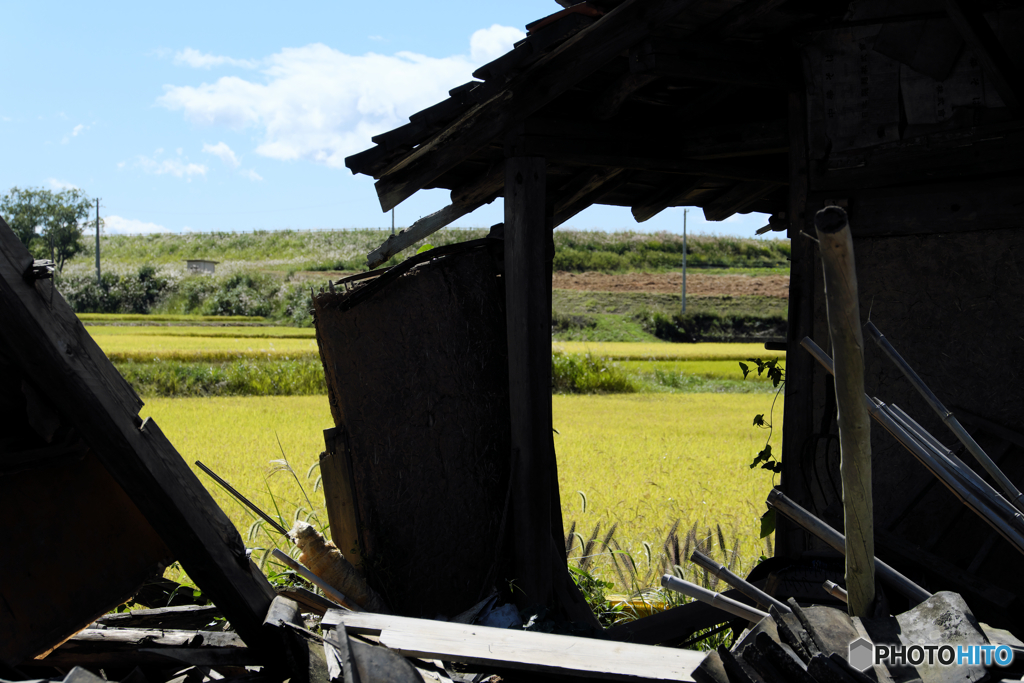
x: 751, y: 614
x: 975, y: 501
x: 958, y: 469
x: 835, y: 590
x: 739, y: 583
x: 804, y: 519
x: 330, y: 591
x: 242, y: 499
x: 1015, y: 496
x: 971, y: 497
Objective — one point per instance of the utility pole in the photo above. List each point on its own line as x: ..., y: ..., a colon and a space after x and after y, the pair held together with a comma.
x: 392, y: 221
x: 98, y: 280
x: 684, y: 260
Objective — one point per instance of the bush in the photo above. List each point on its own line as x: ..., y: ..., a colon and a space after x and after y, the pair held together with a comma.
x: 713, y: 326
x: 585, y: 374
x: 249, y: 294
x: 130, y: 293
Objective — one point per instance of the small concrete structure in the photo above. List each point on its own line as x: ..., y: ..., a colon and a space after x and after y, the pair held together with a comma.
x: 201, y: 266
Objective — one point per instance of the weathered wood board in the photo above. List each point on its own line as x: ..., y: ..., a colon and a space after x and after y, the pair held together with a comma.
x: 526, y: 650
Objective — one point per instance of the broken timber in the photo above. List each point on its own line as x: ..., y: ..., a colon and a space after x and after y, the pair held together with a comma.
x: 43, y: 333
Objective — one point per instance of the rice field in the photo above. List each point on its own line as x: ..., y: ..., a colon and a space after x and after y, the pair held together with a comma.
x: 667, y: 351
x: 172, y: 347
x: 641, y: 461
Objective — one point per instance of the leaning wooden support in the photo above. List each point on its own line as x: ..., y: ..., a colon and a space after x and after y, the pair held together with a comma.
x: 808, y: 522
x: 1015, y: 496
x: 414, y: 233
x: 329, y: 591
x: 740, y: 584
x: 751, y: 614
x: 836, y: 245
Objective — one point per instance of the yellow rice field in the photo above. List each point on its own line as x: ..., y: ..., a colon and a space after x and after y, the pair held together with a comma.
x: 149, y: 347
x: 275, y: 332
x: 641, y: 461
x: 667, y: 351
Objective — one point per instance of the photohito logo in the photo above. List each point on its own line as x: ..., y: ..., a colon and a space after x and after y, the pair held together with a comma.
x: 863, y: 653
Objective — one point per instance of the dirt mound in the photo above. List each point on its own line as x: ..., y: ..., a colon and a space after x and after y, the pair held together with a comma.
x: 697, y: 284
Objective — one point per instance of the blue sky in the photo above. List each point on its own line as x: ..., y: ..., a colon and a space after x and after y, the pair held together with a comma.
x: 238, y: 116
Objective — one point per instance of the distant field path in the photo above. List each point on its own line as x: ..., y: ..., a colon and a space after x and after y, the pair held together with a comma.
x: 697, y: 284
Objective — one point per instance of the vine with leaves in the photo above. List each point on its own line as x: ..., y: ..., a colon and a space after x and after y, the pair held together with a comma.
x: 766, y: 458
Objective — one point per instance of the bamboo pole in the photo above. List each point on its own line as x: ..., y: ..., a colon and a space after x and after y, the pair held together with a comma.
x: 804, y: 519
x: 1015, y: 496
x: 740, y: 584
x: 835, y: 590
x: 969, y: 489
x: 751, y: 614
x: 836, y: 246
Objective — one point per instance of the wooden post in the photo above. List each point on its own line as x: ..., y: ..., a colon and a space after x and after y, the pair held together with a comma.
x: 799, y: 406
x: 836, y: 244
x: 528, y: 313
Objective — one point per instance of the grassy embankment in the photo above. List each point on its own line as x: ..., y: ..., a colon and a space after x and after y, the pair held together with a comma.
x: 268, y: 275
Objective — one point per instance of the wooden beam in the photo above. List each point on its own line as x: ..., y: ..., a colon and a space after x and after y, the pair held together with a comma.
x: 750, y: 75
x: 798, y: 410
x: 528, y: 312
x: 485, y: 189
x: 79, y: 381
x: 671, y: 194
x: 584, y: 190
x: 425, y: 226
x: 618, y: 92
x: 984, y: 45
x: 737, y: 199
x: 551, y: 75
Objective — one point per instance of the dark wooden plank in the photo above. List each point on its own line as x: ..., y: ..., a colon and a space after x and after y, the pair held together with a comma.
x: 675, y: 625
x: 936, y: 208
x: 539, y: 41
x: 552, y: 74
x: 528, y: 312
x: 735, y: 200
x: 585, y: 189
x: 673, y: 193
x: 798, y: 410
x: 77, y: 379
x: 984, y: 44
x: 187, y: 617
x: 486, y: 188
x: 958, y: 154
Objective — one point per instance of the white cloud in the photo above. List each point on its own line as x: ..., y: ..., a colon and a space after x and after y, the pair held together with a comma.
x: 74, y: 133
x: 61, y: 185
x: 115, y: 225
x: 318, y: 104
x: 251, y: 175
x: 490, y: 43
x: 174, y: 167
x: 199, y: 60
x: 223, y: 152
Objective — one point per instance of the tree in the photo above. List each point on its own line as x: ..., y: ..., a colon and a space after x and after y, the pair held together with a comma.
x: 48, y: 222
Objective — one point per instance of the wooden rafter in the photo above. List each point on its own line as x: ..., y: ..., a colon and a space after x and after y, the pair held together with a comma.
x: 586, y: 189
x: 737, y: 199
x: 672, y: 194
x: 576, y: 58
